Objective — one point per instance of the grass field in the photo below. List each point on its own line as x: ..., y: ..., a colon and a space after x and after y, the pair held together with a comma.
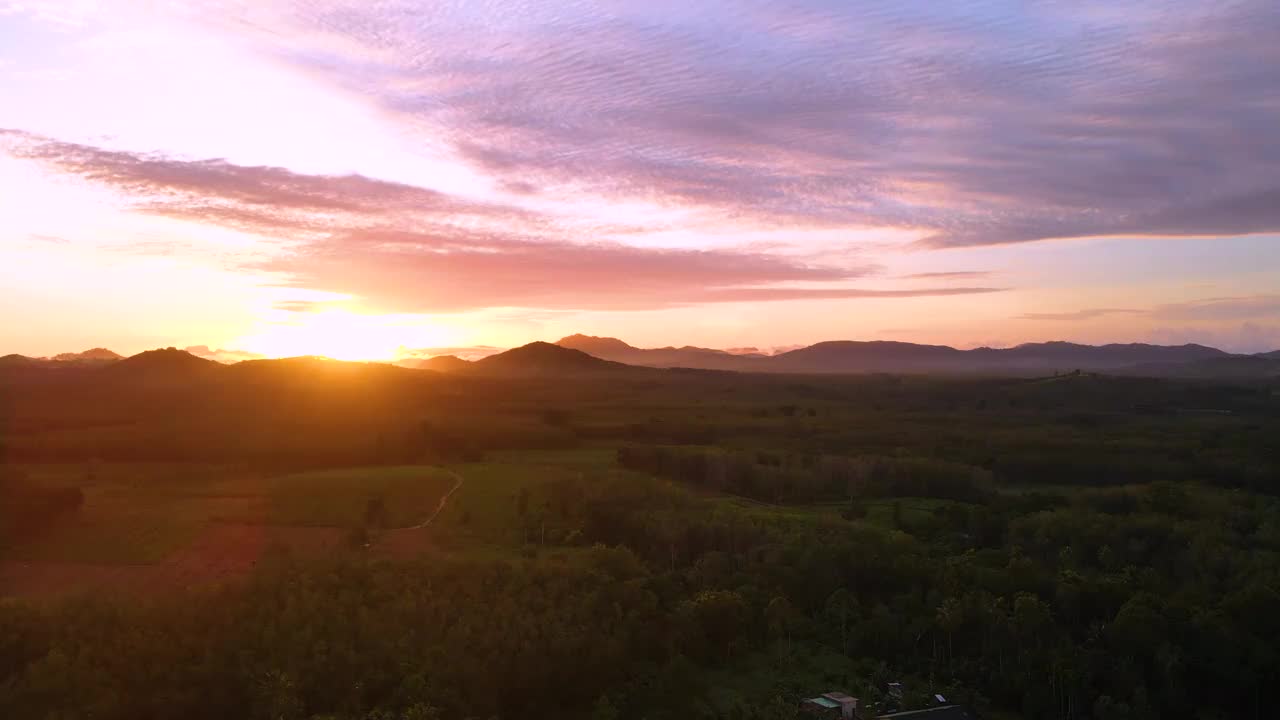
x: 485, y: 509
x: 132, y: 513
x: 173, y: 521
x: 342, y: 498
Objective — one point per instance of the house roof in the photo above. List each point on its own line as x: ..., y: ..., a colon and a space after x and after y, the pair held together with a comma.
x: 825, y: 702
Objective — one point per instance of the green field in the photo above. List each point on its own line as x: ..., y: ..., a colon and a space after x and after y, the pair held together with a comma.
x: 144, y: 513
x: 343, y: 497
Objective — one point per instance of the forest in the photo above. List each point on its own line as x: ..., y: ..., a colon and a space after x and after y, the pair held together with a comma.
x: 666, y: 544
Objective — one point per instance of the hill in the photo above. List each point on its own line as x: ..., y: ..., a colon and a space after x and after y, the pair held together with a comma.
x: 439, y: 363
x: 14, y: 360
x: 162, y: 364
x: 608, y: 348
x: 848, y: 356
x: 542, y: 358
x: 874, y: 356
x: 94, y: 355
x: 1064, y: 355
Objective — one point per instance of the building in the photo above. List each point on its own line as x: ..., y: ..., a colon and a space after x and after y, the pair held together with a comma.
x: 831, y: 705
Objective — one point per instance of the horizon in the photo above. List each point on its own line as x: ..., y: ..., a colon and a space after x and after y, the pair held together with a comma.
x: 232, y: 356
x: 355, y: 181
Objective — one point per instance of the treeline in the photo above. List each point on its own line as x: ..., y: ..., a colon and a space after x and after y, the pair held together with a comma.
x: 291, y: 440
x: 781, y: 477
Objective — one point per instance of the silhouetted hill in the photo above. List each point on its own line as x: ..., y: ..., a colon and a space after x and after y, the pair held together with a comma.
x: 541, y: 358
x: 608, y: 348
x: 14, y: 360
x: 847, y: 356
x: 440, y: 363
x: 1065, y: 356
x: 311, y: 370
x: 595, y: 345
x: 94, y: 355
x: 873, y: 356
x: 163, y: 364
x: 1273, y: 355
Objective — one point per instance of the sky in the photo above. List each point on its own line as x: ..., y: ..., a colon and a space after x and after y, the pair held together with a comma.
x: 364, y: 180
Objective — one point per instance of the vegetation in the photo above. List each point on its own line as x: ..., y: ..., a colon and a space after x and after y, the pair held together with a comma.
x: 664, y: 545
x: 383, y: 497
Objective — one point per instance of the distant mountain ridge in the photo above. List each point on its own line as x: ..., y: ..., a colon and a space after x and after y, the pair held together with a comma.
x: 608, y: 348
x: 91, y: 355
x: 578, y: 354
x: 849, y: 356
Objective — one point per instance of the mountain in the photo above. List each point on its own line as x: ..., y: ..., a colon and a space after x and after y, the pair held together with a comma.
x: 608, y: 348
x: 1070, y: 356
x: 16, y: 360
x: 874, y: 356
x: 1273, y: 355
x: 541, y: 358
x: 439, y: 363
x: 163, y: 365
x: 95, y: 355
x: 848, y: 356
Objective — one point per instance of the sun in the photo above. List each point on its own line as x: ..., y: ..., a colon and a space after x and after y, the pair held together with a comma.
x: 344, y: 335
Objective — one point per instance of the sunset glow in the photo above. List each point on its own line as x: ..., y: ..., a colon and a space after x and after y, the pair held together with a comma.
x: 343, y: 335
x: 491, y: 174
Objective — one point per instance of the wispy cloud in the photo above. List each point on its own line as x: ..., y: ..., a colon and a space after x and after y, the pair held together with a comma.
x: 1249, y: 307
x: 404, y: 248
x: 952, y: 275
x: 1218, y: 309
x: 975, y: 123
x: 1088, y: 314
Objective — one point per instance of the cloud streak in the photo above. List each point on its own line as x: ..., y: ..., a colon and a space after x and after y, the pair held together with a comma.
x: 1089, y: 314
x: 407, y: 249
x: 1213, y: 310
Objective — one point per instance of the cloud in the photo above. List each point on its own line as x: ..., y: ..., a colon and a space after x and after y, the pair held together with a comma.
x: 975, y: 124
x: 221, y: 355
x: 299, y: 306
x: 263, y: 199
x: 411, y: 274
x: 1248, y: 307
x: 475, y: 352
x: 1088, y: 314
x: 402, y: 248
x: 951, y: 275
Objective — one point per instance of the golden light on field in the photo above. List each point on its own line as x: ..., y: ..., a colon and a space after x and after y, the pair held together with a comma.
x: 345, y: 335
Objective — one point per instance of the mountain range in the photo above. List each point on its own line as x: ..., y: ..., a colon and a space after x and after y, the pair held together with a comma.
x: 848, y: 356
x: 577, y: 354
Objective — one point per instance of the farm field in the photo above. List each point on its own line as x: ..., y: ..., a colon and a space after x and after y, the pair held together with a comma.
x: 151, y: 527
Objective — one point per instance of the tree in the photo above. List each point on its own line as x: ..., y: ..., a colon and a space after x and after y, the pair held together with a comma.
x: 604, y: 709
x: 375, y: 513
x: 781, y: 617
x: 839, y: 608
